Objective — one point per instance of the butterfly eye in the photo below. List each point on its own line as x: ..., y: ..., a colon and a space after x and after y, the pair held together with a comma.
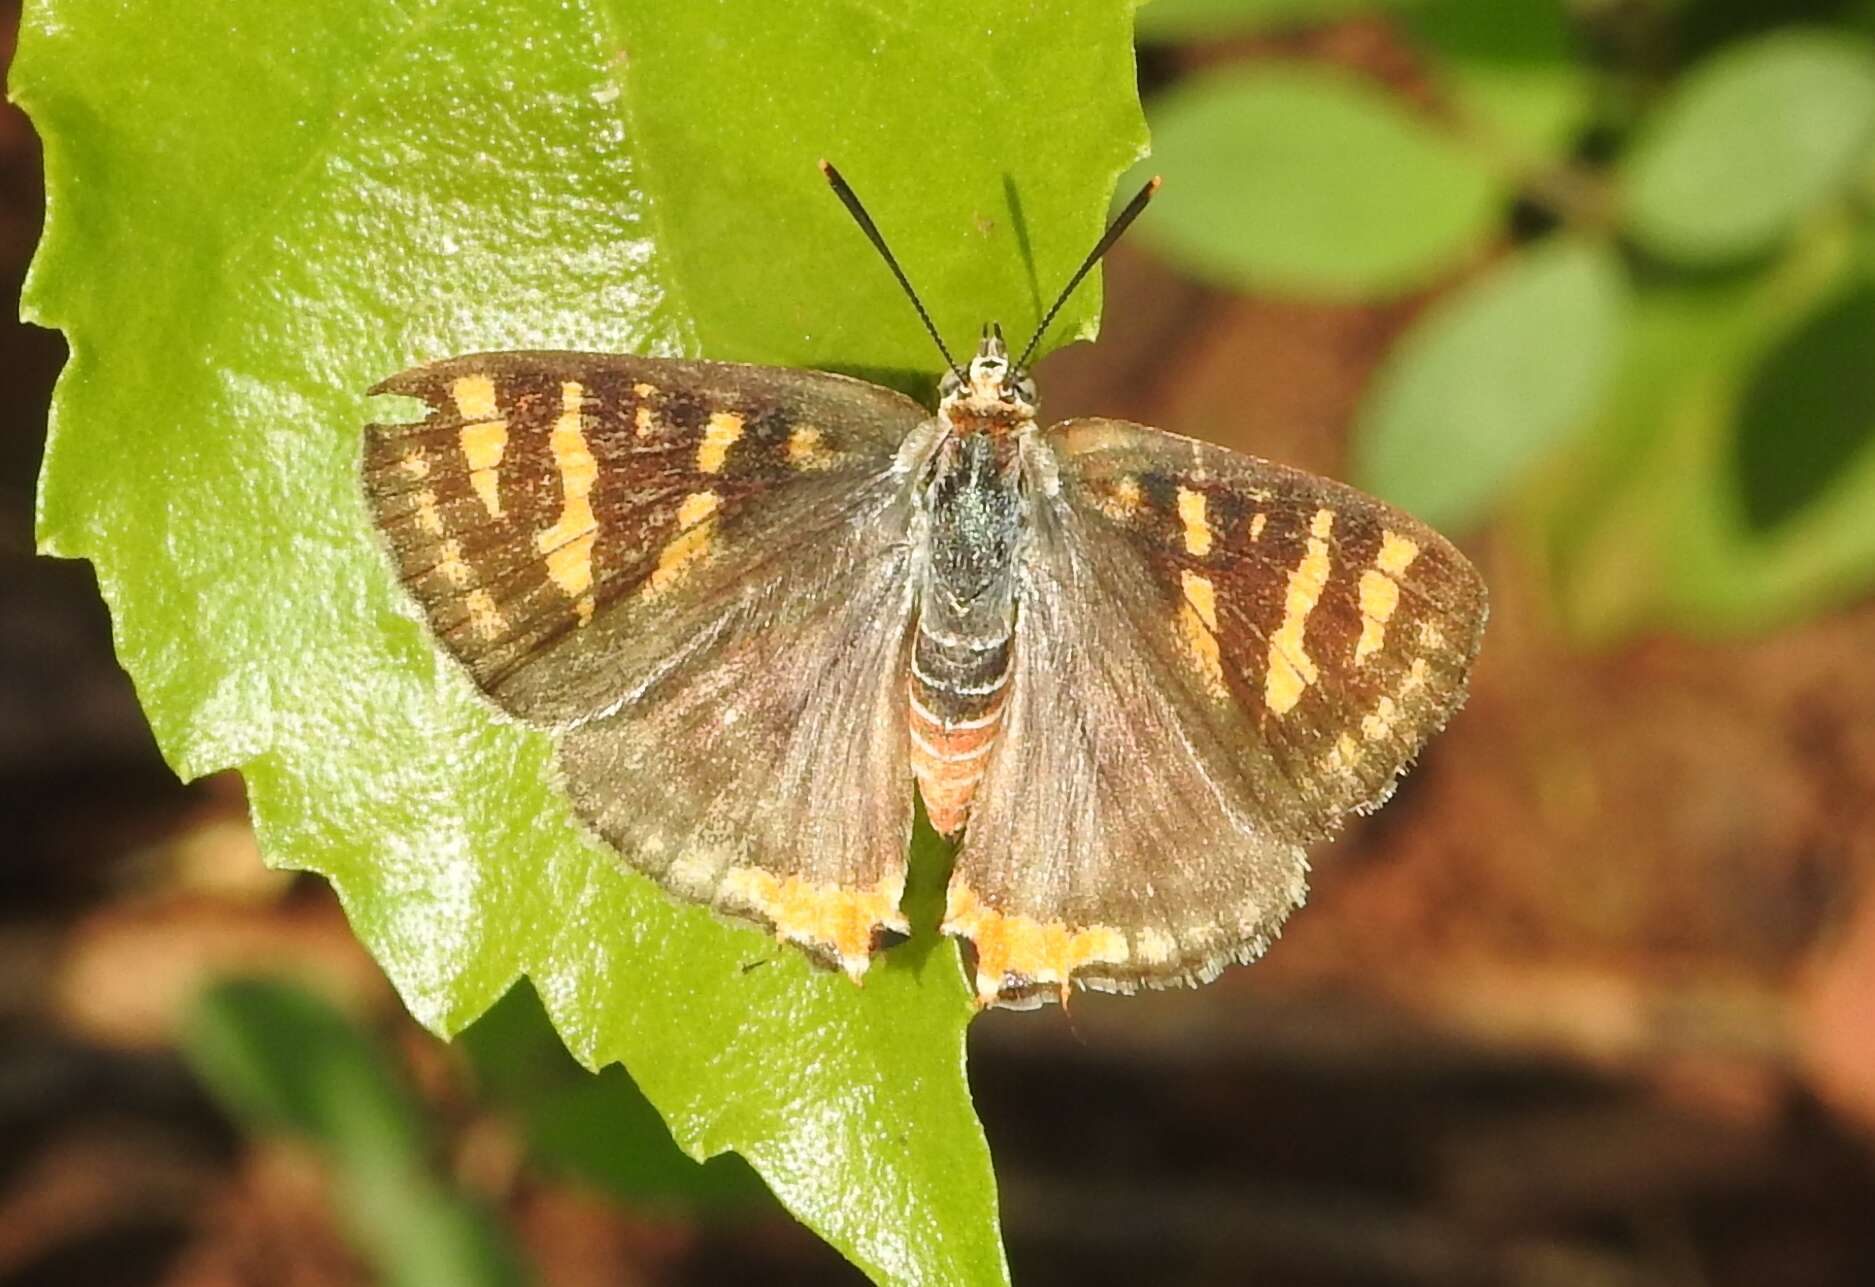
x: 949, y: 384
x: 1025, y: 389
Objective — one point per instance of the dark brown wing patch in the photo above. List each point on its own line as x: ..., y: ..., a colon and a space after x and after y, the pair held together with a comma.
x: 1341, y: 629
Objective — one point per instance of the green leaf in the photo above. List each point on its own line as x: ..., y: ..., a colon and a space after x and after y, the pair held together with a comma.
x: 1490, y: 379
x: 255, y: 217
x: 1808, y: 413
x: 597, y: 1127
x: 1655, y: 523
x: 1779, y: 515
x: 1173, y: 20
x: 283, y: 1061
x: 1607, y: 519
x: 1511, y: 67
x: 1309, y: 180
x: 1748, y: 144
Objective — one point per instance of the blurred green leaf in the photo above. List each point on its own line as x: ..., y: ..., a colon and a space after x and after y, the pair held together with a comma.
x: 1780, y: 513
x: 1172, y: 20
x: 283, y: 1061
x: 1512, y: 68
x: 1701, y: 27
x: 596, y: 1127
x: 1306, y: 179
x: 1651, y: 525
x: 1490, y: 379
x: 1809, y: 411
x: 1748, y: 144
x: 1608, y: 518
x: 255, y: 216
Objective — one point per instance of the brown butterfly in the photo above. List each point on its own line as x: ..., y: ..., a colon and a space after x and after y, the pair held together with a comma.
x: 1136, y: 673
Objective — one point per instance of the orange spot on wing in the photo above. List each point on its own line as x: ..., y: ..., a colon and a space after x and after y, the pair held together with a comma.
x: 1396, y: 553
x: 1379, y: 723
x: 1197, y: 617
x: 843, y: 921
x: 693, y: 538
x: 1191, y: 512
x: 568, y: 543
x: 452, y: 565
x: 482, y: 446
x: 1121, y: 501
x: 1380, y: 592
x: 806, y: 450
x: 723, y: 432
x: 429, y: 518
x: 1021, y: 946
x: 474, y: 396
x: 484, y: 617
x: 1291, y: 669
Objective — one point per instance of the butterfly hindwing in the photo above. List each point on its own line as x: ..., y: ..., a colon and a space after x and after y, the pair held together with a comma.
x: 766, y: 770
x: 1216, y: 659
x: 694, y: 572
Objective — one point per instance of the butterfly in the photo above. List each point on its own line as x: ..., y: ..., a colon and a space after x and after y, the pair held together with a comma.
x: 1136, y: 674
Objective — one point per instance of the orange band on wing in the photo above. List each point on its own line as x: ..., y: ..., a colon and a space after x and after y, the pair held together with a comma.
x: 1031, y: 950
x: 840, y: 920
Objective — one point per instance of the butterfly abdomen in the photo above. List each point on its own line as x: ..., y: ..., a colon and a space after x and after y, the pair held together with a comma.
x: 957, y: 690
x: 960, y: 658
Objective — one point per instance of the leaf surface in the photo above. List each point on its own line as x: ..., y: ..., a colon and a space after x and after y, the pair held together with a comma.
x: 1309, y: 180
x: 1491, y: 378
x: 1749, y: 143
x: 1170, y: 20
x: 1673, y: 512
x: 256, y: 215
x: 1512, y: 68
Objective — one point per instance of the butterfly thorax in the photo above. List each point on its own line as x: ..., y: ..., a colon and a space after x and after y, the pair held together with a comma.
x: 992, y: 397
x: 966, y: 587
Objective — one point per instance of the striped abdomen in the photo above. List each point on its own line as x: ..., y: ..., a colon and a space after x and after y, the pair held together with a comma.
x: 966, y: 611
x: 958, y: 685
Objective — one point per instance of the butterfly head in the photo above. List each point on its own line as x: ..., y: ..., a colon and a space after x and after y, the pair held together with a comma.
x: 995, y: 395
x: 992, y: 395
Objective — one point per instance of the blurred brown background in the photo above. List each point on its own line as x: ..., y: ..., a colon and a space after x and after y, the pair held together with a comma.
x: 1592, y: 1002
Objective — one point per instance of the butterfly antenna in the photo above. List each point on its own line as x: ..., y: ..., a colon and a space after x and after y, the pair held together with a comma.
x: 850, y: 200
x: 1118, y: 226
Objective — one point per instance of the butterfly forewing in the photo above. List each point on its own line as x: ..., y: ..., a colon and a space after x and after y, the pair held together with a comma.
x: 682, y: 566
x: 1216, y: 659
x: 545, y: 493
x: 1338, y: 631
